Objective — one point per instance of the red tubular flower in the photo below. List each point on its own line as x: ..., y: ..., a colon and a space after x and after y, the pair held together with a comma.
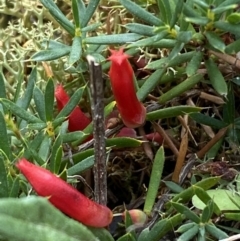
x: 132, y: 111
x: 65, y: 197
x: 77, y: 120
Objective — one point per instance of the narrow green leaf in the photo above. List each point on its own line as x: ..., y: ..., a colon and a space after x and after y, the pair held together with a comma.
x: 73, y: 136
x: 150, y: 83
x: 150, y: 40
x: 216, y: 78
x: 48, y: 55
x: 91, y: 27
x: 229, y: 111
x: 141, y: 13
x: 81, y: 166
x: 5, y: 146
x: 14, y: 188
x: 215, y: 232
x: 49, y: 100
x: 215, y: 41
x: 189, y: 234
x: 188, y: 193
x: 207, y: 212
x: 39, y: 103
x: 76, y: 14
x: 180, y: 88
x: 76, y: 51
x: 58, y: 15
x: 173, y: 186
x: 202, y: 21
x: 45, y: 148
x: 165, y: 10
x: 207, y: 120
x: 2, y: 92
x: 176, y: 15
x: 34, y: 218
x: 233, y: 48
x: 155, y: 179
x: 24, y: 101
x: 194, y: 63
x: 4, y: 190
x: 91, y: 7
x: 185, y: 227
x: 171, y: 112
x: 140, y: 29
x: 54, y: 167
x: 223, y: 9
x: 20, y: 112
x: 228, y: 27
x: 186, y: 211
x: 121, y: 142
x: 113, y: 38
x: 164, y: 62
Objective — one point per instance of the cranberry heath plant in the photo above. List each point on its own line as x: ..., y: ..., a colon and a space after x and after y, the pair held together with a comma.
x: 188, y: 49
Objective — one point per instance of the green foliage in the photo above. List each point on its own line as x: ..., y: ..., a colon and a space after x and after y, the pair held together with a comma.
x: 183, y: 49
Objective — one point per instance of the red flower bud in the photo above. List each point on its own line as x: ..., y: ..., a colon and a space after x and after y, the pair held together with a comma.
x: 156, y: 137
x: 65, y: 197
x: 77, y: 120
x: 137, y: 216
x: 132, y: 111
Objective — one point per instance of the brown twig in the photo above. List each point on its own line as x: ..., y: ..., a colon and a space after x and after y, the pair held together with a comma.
x: 97, y: 106
x: 166, y: 138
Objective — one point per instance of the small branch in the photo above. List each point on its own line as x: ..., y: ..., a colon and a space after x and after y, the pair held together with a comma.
x: 97, y: 106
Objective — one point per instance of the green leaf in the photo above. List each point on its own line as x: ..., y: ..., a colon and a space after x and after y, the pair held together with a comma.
x: 215, y: 41
x: 180, y: 88
x: 194, y: 63
x: 76, y: 51
x: 233, y: 48
x: 141, y: 13
x: 56, y: 154
x: 150, y: 40
x: 91, y: 7
x: 25, y: 100
x: 207, y: 120
x: 165, y: 11
x: 20, y: 112
x: 45, y: 148
x: 49, y: 100
x: 76, y: 13
x: 121, y: 142
x: 217, y: 80
x: 48, y: 55
x: 81, y: 166
x: 4, y: 190
x: 215, y: 232
x: 173, y: 186
x: 39, y: 103
x: 5, y: 146
x: 164, y: 62
x: 185, y: 227
x: 140, y: 29
x: 176, y: 14
x: 73, y: 136
x: 113, y: 38
x: 155, y: 179
x: 207, y: 212
x: 59, y: 16
x: 171, y: 112
x: 202, y: 21
x: 186, y: 211
x: 34, y: 218
x: 150, y: 83
x: 189, y: 234
x: 227, y: 27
